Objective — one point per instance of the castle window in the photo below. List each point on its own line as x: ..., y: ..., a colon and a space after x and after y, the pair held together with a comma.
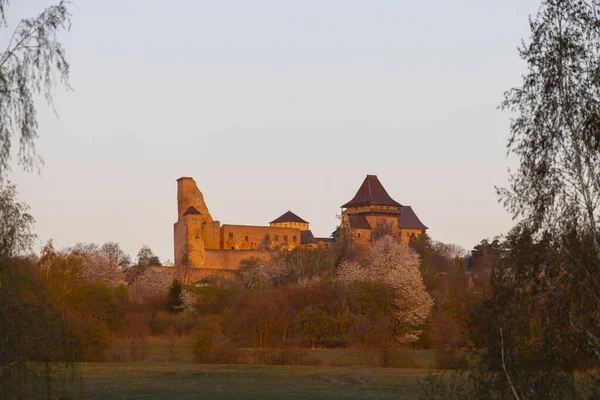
x: 193, y: 220
x: 230, y: 235
x: 197, y: 233
x: 267, y: 237
x: 294, y: 239
x: 246, y: 238
x: 285, y: 238
x: 359, y: 235
x: 276, y: 238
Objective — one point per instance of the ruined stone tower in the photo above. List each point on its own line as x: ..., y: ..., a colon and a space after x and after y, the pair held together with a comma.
x: 195, y: 231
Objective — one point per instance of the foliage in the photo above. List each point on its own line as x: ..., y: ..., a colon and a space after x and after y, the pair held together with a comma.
x: 98, y: 268
x: 116, y: 255
x: 319, y: 329
x: 207, y: 348
x: 99, y: 301
x: 311, y: 263
x: 16, y: 229
x: 174, y: 297
x: 261, y: 275
x: 396, y: 265
x: 30, y: 65
x: 485, y: 255
x: 188, y: 303
x: 146, y: 258
x: 151, y: 284
x: 32, y: 329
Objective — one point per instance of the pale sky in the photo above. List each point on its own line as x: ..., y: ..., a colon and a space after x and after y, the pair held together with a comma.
x: 276, y: 105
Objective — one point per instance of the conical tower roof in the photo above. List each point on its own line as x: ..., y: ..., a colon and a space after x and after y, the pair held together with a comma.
x: 371, y: 193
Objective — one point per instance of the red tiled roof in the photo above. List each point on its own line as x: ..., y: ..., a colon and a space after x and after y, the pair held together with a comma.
x: 192, y: 210
x: 358, y: 221
x: 289, y: 217
x: 306, y: 237
x: 371, y: 192
x: 408, y: 219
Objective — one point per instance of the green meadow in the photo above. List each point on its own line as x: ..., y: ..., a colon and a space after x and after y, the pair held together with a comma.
x: 157, y: 377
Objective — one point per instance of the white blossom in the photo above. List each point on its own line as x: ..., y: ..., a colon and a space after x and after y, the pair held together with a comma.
x: 397, y: 265
x: 98, y: 268
x: 268, y: 274
x: 306, y: 282
x: 152, y: 283
x: 350, y: 271
x: 188, y: 303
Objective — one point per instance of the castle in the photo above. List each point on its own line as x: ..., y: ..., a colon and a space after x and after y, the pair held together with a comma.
x: 201, y: 242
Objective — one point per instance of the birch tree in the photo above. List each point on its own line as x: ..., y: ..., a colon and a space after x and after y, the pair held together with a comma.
x: 33, y: 63
x: 556, y: 137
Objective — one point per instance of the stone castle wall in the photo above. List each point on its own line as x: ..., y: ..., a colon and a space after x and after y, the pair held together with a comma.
x: 250, y: 237
x: 230, y: 259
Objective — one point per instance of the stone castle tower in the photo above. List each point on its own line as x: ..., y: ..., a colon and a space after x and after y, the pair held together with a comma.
x: 195, y: 229
x: 372, y: 213
x: 202, y: 242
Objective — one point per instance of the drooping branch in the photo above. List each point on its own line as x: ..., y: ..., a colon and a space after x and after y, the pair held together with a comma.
x: 33, y: 63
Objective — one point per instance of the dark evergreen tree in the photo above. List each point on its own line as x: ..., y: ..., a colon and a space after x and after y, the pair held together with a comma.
x: 174, y: 299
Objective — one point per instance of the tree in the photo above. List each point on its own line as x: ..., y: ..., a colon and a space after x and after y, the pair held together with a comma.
x: 97, y: 268
x: 189, y: 301
x: 485, y: 255
x: 556, y: 134
x: 94, y: 266
x: 261, y: 275
x: 116, y: 255
x: 16, y: 229
x: 556, y: 137
x: 541, y: 325
x: 31, y: 328
x: 152, y: 284
x: 146, y: 257
x: 33, y: 62
x: 396, y: 265
x: 174, y: 298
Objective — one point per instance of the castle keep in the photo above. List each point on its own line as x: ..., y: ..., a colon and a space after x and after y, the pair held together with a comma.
x: 202, y: 242
x: 372, y: 213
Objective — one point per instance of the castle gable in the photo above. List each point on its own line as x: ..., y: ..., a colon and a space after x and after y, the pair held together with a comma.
x: 191, y: 211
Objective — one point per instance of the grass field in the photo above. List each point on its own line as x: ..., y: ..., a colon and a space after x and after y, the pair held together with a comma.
x: 188, y: 381
x: 157, y: 351
x: 154, y: 378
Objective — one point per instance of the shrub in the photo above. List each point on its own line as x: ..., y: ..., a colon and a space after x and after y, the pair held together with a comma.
x: 449, y: 358
x: 95, y: 339
x: 398, y: 358
x: 207, y: 336
x: 162, y: 323
x: 319, y: 329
